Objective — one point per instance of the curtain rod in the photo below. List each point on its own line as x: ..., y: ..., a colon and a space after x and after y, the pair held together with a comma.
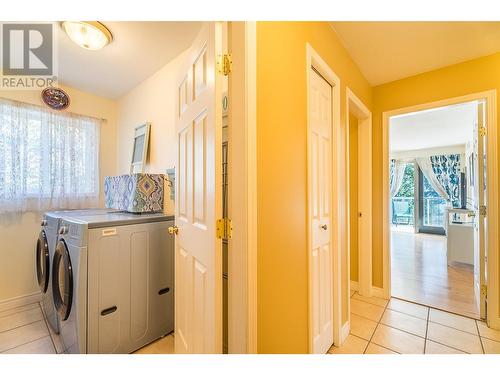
x: 52, y: 110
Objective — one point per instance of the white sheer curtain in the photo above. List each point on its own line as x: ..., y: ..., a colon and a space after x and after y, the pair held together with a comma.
x: 48, y: 159
x: 397, y: 172
x: 427, y: 170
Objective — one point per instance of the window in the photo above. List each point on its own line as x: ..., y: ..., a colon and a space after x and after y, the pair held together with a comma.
x: 48, y: 160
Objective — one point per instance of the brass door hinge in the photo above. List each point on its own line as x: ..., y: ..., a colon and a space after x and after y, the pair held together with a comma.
x: 482, y: 210
x: 482, y: 131
x: 484, y: 290
x: 224, y: 229
x: 224, y: 64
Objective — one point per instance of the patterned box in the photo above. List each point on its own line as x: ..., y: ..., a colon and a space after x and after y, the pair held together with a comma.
x: 136, y: 193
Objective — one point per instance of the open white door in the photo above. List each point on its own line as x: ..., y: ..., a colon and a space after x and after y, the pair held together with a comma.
x: 198, y: 262
x: 320, y: 226
x: 480, y: 221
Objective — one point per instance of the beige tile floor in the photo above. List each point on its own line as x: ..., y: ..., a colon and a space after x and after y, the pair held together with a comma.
x: 24, y: 330
x: 379, y: 326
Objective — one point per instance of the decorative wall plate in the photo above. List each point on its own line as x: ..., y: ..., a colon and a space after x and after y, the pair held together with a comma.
x: 55, y: 98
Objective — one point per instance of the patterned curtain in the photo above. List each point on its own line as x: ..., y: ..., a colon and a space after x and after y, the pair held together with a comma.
x: 447, y: 170
x: 391, y: 175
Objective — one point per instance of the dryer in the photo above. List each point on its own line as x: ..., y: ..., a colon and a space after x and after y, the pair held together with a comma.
x: 44, y: 252
x: 113, y: 281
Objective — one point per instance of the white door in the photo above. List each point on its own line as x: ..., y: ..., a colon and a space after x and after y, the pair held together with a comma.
x: 320, y: 192
x: 480, y: 204
x: 198, y: 262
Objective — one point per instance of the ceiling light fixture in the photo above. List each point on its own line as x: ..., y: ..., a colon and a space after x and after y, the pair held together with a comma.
x: 90, y: 35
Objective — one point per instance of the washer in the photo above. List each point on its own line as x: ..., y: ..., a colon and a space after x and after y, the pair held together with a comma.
x: 113, y: 281
x: 45, y: 249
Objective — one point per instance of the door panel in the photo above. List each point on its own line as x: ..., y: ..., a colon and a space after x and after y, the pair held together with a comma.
x: 320, y: 176
x: 198, y: 278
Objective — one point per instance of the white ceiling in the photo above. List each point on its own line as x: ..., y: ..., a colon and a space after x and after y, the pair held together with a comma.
x: 138, y: 50
x: 440, y: 127
x: 388, y: 51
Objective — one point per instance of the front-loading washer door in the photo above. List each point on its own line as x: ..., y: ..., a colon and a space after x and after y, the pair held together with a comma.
x: 42, y: 261
x: 62, y: 280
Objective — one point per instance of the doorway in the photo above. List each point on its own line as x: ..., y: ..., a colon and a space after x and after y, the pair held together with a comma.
x: 359, y: 195
x: 437, y: 179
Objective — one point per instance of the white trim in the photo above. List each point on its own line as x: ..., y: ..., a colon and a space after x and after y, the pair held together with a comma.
x: 242, y: 252
x: 365, y: 246
x: 378, y: 292
x: 346, y: 329
x: 27, y: 299
x: 492, y: 191
x: 313, y: 59
x: 355, y: 106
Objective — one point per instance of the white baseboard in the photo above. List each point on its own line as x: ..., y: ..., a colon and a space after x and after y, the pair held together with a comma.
x: 353, y: 285
x: 346, y: 329
x: 379, y: 292
x: 14, y: 302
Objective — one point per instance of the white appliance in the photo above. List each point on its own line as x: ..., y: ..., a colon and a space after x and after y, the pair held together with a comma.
x: 459, y: 225
x: 113, y: 281
x: 45, y: 248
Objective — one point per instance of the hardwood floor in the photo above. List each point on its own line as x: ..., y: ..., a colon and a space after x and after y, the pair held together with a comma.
x: 420, y: 274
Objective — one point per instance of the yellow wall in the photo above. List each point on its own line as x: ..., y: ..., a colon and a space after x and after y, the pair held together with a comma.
x: 19, y: 232
x: 452, y: 81
x: 353, y: 195
x: 282, y: 173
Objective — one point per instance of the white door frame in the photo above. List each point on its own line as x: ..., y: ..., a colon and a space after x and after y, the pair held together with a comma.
x: 492, y: 193
x: 242, y: 189
x: 364, y: 116
x: 314, y: 60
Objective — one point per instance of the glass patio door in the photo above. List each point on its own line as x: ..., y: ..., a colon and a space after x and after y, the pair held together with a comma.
x: 430, y: 207
x: 403, y: 203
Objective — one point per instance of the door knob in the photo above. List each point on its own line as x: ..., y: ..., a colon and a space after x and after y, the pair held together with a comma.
x: 324, y: 227
x: 173, y: 230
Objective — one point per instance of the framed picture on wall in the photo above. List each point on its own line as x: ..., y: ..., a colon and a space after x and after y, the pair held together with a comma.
x: 140, y: 148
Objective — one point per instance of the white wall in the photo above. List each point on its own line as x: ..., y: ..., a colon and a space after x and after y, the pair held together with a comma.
x: 153, y: 100
x: 18, y: 233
